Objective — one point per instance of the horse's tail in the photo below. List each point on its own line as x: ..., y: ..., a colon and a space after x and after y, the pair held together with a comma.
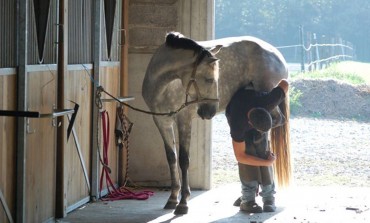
x: 280, y: 145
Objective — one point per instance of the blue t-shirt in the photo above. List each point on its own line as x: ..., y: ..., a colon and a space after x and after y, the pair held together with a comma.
x: 243, y: 101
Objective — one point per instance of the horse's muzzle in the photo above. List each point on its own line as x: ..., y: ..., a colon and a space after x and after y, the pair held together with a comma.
x: 207, y: 111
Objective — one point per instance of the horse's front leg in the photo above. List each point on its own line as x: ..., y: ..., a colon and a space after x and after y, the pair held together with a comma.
x: 184, y: 130
x: 165, y: 127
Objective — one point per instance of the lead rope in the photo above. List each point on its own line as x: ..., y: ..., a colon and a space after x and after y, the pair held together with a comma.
x: 99, y: 104
x: 122, y: 132
x: 100, y: 89
x: 113, y: 192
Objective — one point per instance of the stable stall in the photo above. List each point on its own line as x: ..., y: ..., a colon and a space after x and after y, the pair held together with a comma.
x: 54, y: 55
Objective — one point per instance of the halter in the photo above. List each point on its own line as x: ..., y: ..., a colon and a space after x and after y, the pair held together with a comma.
x: 193, y: 81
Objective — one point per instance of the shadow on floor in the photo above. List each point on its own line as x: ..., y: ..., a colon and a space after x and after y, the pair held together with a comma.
x: 331, y: 204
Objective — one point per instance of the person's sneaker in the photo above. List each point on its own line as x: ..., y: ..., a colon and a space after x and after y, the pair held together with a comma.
x: 250, y: 207
x: 269, y: 206
x: 237, y: 202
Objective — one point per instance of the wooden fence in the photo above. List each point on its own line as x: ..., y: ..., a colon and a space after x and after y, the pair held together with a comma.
x: 316, y: 53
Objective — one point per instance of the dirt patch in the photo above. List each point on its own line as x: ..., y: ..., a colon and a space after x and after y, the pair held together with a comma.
x: 332, y: 99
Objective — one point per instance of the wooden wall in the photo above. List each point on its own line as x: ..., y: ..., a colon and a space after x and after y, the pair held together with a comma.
x: 7, y: 144
x: 40, y: 198
x: 78, y: 89
x: 41, y: 147
x: 109, y: 78
x: 40, y: 151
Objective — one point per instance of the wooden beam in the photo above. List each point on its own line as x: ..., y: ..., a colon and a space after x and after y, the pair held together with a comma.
x: 22, y: 44
x: 60, y: 202
x: 6, y: 208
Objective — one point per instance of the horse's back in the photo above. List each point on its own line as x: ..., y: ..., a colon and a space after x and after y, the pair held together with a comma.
x: 247, y: 60
x: 262, y: 61
x: 266, y: 66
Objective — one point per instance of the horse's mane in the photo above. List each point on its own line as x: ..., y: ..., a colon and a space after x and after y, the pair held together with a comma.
x: 178, y: 41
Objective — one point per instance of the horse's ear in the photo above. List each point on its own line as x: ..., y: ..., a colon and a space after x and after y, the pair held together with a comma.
x: 211, y: 60
x: 216, y: 49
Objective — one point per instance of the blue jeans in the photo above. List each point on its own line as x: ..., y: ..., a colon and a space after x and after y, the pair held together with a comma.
x: 249, y: 191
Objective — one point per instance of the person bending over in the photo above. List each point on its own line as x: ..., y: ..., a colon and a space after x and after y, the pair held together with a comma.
x: 249, y: 117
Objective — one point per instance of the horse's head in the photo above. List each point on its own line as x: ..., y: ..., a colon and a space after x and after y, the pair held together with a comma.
x: 205, y: 88
x: 201, y: 78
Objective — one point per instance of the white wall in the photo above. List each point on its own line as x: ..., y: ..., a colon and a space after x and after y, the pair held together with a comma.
x: 147, y: 160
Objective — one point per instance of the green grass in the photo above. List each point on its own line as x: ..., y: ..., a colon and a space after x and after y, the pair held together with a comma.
x: 348, y: 71
x: 294, y: 99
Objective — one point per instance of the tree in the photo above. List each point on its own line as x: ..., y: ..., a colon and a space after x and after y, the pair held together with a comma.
x: 277, y: 21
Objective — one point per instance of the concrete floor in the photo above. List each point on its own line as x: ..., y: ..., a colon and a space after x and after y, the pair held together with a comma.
x: 308, y: 204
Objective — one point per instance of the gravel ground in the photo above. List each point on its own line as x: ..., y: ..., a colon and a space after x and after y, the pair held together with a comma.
x: 324, y: 153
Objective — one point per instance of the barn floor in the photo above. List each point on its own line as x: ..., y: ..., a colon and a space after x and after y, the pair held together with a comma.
x: 307, y: 204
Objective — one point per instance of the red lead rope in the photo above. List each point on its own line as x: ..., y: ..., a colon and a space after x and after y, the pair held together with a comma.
x: 113, y: 192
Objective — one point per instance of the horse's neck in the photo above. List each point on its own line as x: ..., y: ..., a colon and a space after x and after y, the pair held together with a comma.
x: 163, y: 72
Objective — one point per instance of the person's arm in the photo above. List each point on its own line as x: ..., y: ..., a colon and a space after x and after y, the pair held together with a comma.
x: 283, y: 84
x: 242, y: 157
x: 275, y: 97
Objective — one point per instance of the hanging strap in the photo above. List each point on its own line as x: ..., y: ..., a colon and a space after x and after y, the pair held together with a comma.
x: 6, y: 208
x: 113, y: 192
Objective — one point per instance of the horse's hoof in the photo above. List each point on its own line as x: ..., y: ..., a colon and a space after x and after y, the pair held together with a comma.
x: 171, y: 205
x: 181, y: 209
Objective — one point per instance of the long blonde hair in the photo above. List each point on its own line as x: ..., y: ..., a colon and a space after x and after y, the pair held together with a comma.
x: 280, y: 144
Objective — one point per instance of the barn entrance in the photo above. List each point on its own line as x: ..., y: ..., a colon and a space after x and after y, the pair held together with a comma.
x: 332, y: 106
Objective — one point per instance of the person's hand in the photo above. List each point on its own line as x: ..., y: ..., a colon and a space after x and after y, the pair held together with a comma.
x: 271, y: 157
x: 283, y: 84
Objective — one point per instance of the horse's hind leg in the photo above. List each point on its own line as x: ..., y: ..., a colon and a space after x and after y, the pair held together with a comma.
x: 165, y: 127
x: 184, y: 129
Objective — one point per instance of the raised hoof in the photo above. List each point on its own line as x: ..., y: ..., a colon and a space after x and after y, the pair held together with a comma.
x: 181, y: 209
x: 170, y: 205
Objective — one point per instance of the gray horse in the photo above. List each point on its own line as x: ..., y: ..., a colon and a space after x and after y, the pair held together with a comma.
x: 186, y: 80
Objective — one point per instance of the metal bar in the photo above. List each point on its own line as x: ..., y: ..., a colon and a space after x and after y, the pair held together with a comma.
x: 22, y: 44
x: 71, y: 122
x: 96, y: 50
x: 8, y: 71
x: 25, y: 114
x: 80, y: 156
x: 302, y: 49
x: 6, y: 209
x: 105, y: 191
x: 57, y: 113
x: 32, y: 114
x: 78, y: 204
x: 121, y: 99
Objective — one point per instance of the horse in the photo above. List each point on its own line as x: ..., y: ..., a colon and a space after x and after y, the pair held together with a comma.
x: 208, y: 73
